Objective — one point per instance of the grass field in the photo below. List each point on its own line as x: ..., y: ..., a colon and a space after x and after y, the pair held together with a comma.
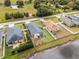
x: 27, y: 8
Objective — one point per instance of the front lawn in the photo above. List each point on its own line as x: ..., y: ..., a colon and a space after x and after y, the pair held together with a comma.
x: 20, y: 25
x: 54, y: 19
x: 39, y: 23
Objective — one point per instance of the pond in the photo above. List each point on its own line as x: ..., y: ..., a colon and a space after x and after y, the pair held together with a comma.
x: 66, y: 51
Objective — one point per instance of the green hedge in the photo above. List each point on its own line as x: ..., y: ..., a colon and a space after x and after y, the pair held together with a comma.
x: 22, y: 47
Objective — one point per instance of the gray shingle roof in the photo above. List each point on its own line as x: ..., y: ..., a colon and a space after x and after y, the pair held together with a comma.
x: 13, y: 34
x: 0, y: 37
x: 0, y: 34
x: 34, y: 28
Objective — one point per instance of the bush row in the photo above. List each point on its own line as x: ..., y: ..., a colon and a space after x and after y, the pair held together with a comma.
x: 16, y: 15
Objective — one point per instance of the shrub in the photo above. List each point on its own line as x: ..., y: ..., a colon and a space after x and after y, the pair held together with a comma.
x: 26, y: 14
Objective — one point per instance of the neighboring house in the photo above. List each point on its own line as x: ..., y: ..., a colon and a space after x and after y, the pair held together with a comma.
x: 14, y: 35
x: 0, y: 38
x: 70, y: 20
x: 14, y: 6
x: 51, y: 26
x: 75, y: 19
x: 35, y: 33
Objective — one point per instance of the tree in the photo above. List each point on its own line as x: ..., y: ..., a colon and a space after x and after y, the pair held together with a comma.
x: 30, y: 1
x: 7, y: 3
x: 63, y: 2
x: 77, y: 5
x: 71, y: 4
x: 20, y: 3
x: 36, y: 4
x: 43, y: 11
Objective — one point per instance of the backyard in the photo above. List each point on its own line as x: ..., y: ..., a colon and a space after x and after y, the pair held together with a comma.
x: 62, y: 32
x: 39, y: 23
x: 47, y: 36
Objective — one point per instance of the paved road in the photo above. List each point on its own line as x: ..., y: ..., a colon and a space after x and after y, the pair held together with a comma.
x: 58, y: 15
x: 67, y: 51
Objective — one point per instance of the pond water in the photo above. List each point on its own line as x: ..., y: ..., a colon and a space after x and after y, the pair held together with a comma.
x: 66, y: 51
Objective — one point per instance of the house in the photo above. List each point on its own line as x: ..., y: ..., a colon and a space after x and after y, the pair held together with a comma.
x: 14, y: 6
x: 70, y: 20
x: 14, y: 35
x: 0, y: 38
x: 35, y: 30
x: 51, y: 26
x: 36, y: 33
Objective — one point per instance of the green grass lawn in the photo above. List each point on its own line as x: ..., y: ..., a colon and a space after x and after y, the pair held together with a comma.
x: 1, y: 52
x: 47, y: 36
x: 39, y: 23
x: 54, y: 19
x: 20, y: 25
